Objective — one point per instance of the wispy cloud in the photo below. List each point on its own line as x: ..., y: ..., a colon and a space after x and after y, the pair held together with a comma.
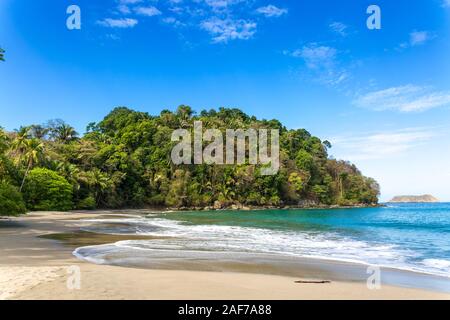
x: 381, y: 145
x: 315, y: 56
x: 173, y: 21
x: 148, y: 11
x: 130, y: 1
x: 123, y: 5
x: 118, y: 23
x: 271, y: 11
x: 322, y: 63
x: 124, y: 9
x: 224, y: 30
x: 446, y: 3
x: 221, y: 4
x: 223, y: 20
x: 339, y: 28
x: 408, y: 98
x: 417, y: 38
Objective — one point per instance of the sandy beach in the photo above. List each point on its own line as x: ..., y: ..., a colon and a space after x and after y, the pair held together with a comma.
x: 35, y: 266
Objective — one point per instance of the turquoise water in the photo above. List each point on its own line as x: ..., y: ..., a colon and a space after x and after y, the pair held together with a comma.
x: 413, y: 237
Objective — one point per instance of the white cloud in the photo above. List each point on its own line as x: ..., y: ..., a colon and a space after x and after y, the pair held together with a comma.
x: 118, y: 23
x: 148, y: 11
x: 130, y: 1
x: 323, y: 64
x: 419, y: 37
x: 446, y: 4
x: 173, y: 21
x: 224, y: 30
x: 381, y: 145
x: 176, y: 10
x: 224, y: 20
x: 315, y: 56
x: 122, y: 8
x: 339, y: 28
x: 222, y: 4
x: 271, y: 11
x: 408, y: 98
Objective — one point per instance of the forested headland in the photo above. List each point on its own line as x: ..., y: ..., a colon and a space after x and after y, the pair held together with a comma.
x: 124, y: 161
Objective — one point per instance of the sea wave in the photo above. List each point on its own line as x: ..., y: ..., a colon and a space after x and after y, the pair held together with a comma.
x: 183, y: 240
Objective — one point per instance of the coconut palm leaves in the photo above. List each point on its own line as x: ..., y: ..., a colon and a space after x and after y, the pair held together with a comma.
x: 32, y: 152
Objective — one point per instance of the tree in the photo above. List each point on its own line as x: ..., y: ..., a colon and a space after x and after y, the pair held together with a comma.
x: 11, y: 201
x: 39, y: 131
x: 19, y: 142
x: 33, y: 150
x: 4, y: 141
x: 61, y: 131
x: 98, y: 182
x: 46, y: 190
x: 124, y: 161
x: 184, y: 115
x: 2, y: 56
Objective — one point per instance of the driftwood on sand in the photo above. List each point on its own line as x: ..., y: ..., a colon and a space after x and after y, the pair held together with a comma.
x: 313, y: 281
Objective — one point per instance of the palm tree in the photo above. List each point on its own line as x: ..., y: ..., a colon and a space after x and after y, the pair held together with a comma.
x: 2, y: 58
x: 61, y: 131
x: 32, y: 153
x: 65, y: 133
x: 38, y: 131
x: 70, y: 172
x: 98, y: 181
x: 184, y: 115
x: 4, y: 140
x: 19, y: 143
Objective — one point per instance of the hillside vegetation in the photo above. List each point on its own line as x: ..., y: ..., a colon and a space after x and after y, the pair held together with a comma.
x: 124, y: 161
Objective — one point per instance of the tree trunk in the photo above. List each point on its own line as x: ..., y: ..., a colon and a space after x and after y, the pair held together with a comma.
x: 25, y: 176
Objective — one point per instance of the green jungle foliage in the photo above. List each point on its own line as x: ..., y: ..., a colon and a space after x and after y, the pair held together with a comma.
x: 11, y: 201
x: 124, y: 161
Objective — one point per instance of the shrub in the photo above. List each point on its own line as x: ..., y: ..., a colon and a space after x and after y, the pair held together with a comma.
x: 11, y: 201
x: 87, y: 203
x: 46, y: 190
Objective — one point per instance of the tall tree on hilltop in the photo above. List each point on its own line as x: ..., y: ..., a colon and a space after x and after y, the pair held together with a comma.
x: 61, y: 131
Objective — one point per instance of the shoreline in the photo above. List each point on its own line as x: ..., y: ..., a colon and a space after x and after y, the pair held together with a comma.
x: 240, y: 207
x: 234, y: 207
x: 24, y: 251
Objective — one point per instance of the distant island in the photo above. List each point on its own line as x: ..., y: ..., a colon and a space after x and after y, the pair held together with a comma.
x: 418, y: 199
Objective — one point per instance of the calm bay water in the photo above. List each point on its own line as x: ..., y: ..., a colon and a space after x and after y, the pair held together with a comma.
x: 413, y: 237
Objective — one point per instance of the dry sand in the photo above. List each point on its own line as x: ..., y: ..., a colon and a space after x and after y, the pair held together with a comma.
x: 35, y: 268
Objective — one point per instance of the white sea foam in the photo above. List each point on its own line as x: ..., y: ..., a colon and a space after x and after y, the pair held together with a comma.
x: 182, y: 239
x: 437, y: 264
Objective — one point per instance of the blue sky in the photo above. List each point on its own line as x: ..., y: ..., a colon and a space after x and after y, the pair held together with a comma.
x: 382, y: 97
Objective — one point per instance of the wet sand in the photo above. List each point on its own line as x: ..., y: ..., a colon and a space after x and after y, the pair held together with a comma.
x: 36, y: 262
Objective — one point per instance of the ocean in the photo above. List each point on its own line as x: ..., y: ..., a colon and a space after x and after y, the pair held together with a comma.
x: 413, y: 237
